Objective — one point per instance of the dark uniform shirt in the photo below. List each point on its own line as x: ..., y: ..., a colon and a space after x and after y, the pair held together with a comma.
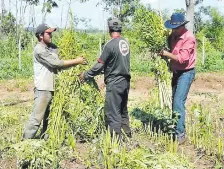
x: 114, y: 61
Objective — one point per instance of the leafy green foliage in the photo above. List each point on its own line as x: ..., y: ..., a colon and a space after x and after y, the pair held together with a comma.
x: 47, y: 6
x: 11, y: 126
x: 76, y: 109
x: 212, y: 32
x: 213, y: 60
x: 122, y: 9
x: 110, y: 153
x: 150, y: 113
x: 9, y: 67
x: 149, y: 29
x: 205, y: 131
x: 8, y: 24
x: 76, y: 112
x: 8, y: 48
x: 214, y: 29
x: 33, y: 154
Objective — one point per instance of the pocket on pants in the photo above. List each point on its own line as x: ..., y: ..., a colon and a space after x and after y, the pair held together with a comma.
x: 191, y: 75
x: 109, y: 86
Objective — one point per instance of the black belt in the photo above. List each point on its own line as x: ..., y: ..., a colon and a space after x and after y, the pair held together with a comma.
x: 182, y: 71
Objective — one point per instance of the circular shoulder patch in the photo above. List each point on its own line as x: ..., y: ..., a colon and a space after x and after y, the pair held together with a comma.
x: 124, y: 47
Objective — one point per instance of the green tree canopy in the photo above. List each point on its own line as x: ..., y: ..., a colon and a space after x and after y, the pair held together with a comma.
x: 122, y: 9
x: 8, y: 23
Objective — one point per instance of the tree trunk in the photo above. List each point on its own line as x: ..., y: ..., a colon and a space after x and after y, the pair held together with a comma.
x: 44, y: 12
x: 19, y: 46
x: 9, y: 6
x: 62, y: 15
x: 120, y: 11
x: 2, y: 10
x: 69, y: 10
x: 16, y: 19
x: 33, y: 18
x: 190, y: 14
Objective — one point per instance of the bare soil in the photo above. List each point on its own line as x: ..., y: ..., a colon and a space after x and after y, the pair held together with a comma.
x: 207, y: 89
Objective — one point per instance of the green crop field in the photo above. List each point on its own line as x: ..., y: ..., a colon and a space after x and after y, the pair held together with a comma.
x: 78, y: 138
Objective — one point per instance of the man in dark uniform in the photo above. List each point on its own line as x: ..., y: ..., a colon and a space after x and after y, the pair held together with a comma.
x: 115, y: 62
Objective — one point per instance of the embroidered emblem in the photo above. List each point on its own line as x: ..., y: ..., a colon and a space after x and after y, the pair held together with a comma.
x: 124, y: 47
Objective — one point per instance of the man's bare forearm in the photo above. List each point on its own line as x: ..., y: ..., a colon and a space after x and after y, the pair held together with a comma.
x: 69, y: 63
x: 170, y: 55
x: 73, y: 62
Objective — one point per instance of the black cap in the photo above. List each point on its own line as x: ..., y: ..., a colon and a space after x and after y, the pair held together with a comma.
x: 115, y: 25
x: 44, y: 28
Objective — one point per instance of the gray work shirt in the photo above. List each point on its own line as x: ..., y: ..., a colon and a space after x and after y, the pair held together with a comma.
x: 46, y: 64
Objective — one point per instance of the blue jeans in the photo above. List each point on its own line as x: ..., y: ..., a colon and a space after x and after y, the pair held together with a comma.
x: 181, y: 83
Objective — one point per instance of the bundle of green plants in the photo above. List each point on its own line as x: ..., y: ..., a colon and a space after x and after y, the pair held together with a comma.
x: 148, y: 25
x: 149, y: 29
x: 76, y: 110
x: 76, y: 107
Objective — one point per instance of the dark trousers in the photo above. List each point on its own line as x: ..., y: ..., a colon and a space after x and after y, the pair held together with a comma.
x: 115, y: 108
x: 181, y: 83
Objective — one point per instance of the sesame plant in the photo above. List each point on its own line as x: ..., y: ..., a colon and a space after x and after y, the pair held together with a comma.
x: 206, y: 132
x: 150, y: 30
x: 76, y: 110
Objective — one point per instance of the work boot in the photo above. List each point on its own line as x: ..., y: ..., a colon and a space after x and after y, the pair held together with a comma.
x: 181, y: 138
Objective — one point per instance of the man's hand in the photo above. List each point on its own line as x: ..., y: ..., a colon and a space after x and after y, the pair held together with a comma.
x: 162, y: 53
x: 165, y: 53
x: 169, y: 55
x: 82, y: 60
x: 81, y: 77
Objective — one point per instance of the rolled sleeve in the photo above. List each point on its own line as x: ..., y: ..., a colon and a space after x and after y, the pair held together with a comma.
x: 49, y: 59
x: 185, y: 51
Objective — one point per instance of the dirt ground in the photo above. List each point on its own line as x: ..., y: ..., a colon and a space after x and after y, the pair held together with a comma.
x: 206, y: 89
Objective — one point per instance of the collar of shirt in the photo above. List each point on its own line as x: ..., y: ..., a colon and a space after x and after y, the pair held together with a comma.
x: 182, y: 34
x: 174, y: 39
x: 118, y: 36
x: 42, y: 44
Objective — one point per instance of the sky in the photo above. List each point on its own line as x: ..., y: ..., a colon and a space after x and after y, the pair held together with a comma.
x: 97, y: 16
